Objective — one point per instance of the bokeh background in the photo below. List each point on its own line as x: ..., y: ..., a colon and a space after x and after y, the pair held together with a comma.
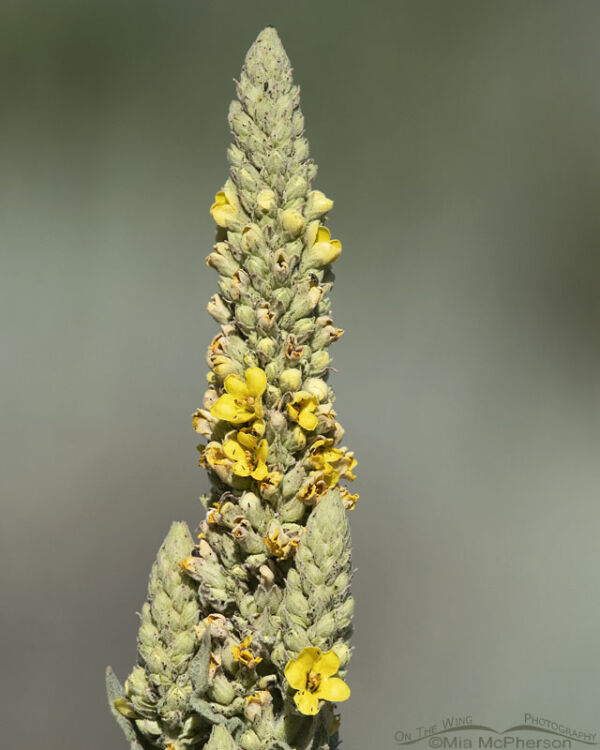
x: 461, y: 144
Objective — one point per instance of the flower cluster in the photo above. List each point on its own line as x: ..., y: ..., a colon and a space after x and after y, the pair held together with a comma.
x: 263, y: 654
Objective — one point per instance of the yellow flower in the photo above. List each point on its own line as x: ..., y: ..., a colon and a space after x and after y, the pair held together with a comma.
x: 242, y: 400
x: 333, y: 462
x: 222, y: 209
x: 243, y: 654
x: 311, y: 674
x: 324, y: 250
x: 248, y: 455
x: 301, y: 409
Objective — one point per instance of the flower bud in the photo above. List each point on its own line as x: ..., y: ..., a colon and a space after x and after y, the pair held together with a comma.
x: 301, y: 150
x: 272, y: 370
x: 292, y: 511
x: 250, y: 741
x: 257, y: 269
x: 235, y: 155
x: 343, y: 652
x: 277, y: 420
x: 220, y: 739
x: 248, y: 178
x: 222, y: 690
x: 276, y: 161
x: 304, y: 302
x: 325, y: 627
x: 295, y: 187
x: 266, y: 200
x: 297, y: 604
x: 253, y: 509
x: 293, y: 222
x: 283, y: 296
x: 296, y: 639
x: 252, y: 238
x: 319, y: 362
x: 318, y: 205
x: 290, y: 379
x: 176, y: 699
x: 245, y: 315
x: 303, y: 329
x: 296, y: 439
x: 317, y: 387
x: 292, y: 481
x: 267, y: 346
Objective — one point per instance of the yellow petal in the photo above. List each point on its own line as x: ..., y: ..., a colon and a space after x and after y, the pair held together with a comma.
x: 327, y: 664
x: 308, y: 703
x: 307, y: 420
x: 296, y: 670
x: 323, y: 235
x: 241, y: 469
x: 256, y: 381
x: 236, y: 386
x: 255, y: 430
x: 221, y: 209
x: 225, y: 408
x: 260, y: 472
x: 247, y: 440
x: 262, y: 450
x: 233, y: 450
x: 333, y: 689
x: 292, y: 412
x: 337, y: 249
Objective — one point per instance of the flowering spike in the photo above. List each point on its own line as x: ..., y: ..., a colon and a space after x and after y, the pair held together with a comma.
x: 244, y: 639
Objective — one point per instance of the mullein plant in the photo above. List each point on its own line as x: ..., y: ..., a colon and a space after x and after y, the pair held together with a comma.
x: 243, y: 643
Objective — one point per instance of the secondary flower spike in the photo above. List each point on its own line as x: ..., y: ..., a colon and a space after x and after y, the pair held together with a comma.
x: 244, y: 639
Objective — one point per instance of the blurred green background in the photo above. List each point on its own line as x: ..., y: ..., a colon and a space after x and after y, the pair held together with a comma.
x: 460, y: 141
